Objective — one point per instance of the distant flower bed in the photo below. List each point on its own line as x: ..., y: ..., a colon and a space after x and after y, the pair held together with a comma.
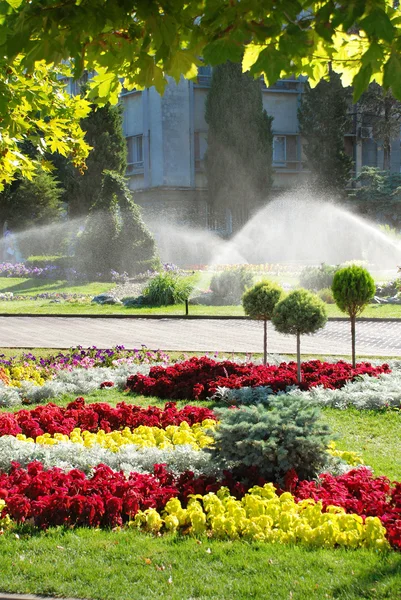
x: 55, y: 272
x: 86, y: 358
x: 199, y: 378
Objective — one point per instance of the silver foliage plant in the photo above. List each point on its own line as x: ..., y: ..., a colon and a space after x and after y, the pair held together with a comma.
x: 366, y: 393
x: 69, y: 455
x: 79, y: 381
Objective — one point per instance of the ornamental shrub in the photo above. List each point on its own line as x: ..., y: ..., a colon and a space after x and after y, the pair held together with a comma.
x: 353, y: 287
x: 259, y: 303
x: 276, y: 437
x: 227, y: 287
x: 317, y: 278
x: 167, y: 288
x: 301, y: 312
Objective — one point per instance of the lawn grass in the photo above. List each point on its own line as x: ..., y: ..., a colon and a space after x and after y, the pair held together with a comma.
x: 31, y: 286
x: 42, y: 307
x: 127, y: 565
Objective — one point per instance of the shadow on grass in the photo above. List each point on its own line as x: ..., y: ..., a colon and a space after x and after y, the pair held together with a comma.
x: 367, y: 583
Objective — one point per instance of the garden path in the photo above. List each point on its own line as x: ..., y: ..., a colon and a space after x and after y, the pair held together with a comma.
x: 374, y: 338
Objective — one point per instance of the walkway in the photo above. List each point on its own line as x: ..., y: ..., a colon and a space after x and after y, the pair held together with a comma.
x: 374, y: 338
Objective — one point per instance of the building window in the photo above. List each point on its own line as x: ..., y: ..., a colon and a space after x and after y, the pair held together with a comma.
x: 279, y: 150
x: 135, y: 151
x: 200, y: 145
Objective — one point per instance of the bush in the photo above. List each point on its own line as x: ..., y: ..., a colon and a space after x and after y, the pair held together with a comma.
x: 353, y: 287
x: 317, y: 278
x: 326, y: 295
x: 62, y: 262
x: 283, y: 435
x: 229, y: 286
x: 167, y: 288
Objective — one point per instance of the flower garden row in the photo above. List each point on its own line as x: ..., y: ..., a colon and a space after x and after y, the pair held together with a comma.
x: 232, y: 472
x: 352, y: 509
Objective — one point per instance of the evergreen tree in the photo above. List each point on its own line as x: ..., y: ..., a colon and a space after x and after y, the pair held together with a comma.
x: 33, y: 203
x: 104, y: 133
x: 239, y: 155
x: 115, y: 237
x: 381, y: 111
x: 323, y: 121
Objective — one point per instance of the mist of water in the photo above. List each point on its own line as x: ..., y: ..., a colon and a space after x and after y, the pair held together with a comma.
x: 295, y: 228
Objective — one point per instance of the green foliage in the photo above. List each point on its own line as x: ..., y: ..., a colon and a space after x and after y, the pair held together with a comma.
x: 139, y: 44
x: 103, y: 129
x: 378, y: 196
x: 32, y: 203
x: 301, y: 312
x: 285, y: 434
x: 115, y: 237
x: 317, y: 278
x: 35, y: 107
x: 259, y: 301
x: 229, y: 286
x: 239, y: 155
x: 64, y: 262
x: 353, y: 287
x: 167, y: 288
x: 323, y: 121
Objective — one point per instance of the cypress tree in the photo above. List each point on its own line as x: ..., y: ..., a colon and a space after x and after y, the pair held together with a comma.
x: 104, y: 132
x: 239, y: 154
x: 323, y: 121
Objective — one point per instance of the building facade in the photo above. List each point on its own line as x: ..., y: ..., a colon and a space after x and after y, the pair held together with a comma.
x: 167, y: 140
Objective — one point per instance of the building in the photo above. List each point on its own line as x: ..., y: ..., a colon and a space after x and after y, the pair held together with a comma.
x: 167, y: 139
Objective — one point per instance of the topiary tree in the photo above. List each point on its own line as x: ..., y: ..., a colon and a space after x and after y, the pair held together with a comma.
x: 115, y: 236
x: 353, y: 287
x: 301, y: 312
x: 285, y: 434
x: 259, y: 302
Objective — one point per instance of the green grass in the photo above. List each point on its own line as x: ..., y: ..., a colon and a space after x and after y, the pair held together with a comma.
x: 375, y: 435
x: 39, y: 307
x: 126, y: 565
x: 30, y: 287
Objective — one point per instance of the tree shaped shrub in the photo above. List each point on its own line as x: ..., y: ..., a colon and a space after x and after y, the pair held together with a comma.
x: 301, y: 312
x: 115, y: 235
x: 353, y: 287
x: 259, y: 302
x: 284, y: 434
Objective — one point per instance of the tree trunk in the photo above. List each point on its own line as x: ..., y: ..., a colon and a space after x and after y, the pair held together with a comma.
x: 299, y: 376
x: 353, y: 319
x: 386, y: 154
x: 265, y: 341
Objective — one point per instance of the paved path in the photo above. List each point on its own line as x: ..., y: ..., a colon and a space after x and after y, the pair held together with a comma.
x: 373, y: 337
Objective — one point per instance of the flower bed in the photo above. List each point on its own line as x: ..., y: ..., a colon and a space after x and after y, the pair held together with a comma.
x: 52, y: 419
x: 199, y: 378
